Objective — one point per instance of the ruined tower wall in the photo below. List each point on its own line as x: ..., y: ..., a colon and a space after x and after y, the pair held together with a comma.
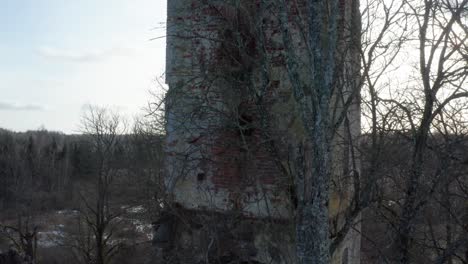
x: 234, y: 137
x: 230, y: 167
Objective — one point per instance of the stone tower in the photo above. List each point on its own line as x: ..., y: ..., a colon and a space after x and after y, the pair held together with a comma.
x: 234, y: 138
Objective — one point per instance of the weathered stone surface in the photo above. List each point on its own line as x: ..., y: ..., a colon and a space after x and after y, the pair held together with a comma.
x: 226, y: 237
x: 231, y: 152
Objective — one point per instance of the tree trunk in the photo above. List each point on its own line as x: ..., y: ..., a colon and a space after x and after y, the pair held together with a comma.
x: 312, y: 229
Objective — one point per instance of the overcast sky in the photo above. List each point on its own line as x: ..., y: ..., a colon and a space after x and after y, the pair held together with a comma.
x: 58, y: 55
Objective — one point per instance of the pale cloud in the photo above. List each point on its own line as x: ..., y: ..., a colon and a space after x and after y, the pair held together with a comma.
x: 20, y: 107
x: 83, y: 55
x: 79, y: 57
x: 114, y: 108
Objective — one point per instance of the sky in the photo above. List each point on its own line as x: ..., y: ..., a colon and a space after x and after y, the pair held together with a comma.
x: 58, y: 56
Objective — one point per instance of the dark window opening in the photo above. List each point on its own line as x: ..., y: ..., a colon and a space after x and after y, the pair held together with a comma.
x: 238, y: 47
x: 201, y: 176
x: 245, y: 125
x: 345, y: 256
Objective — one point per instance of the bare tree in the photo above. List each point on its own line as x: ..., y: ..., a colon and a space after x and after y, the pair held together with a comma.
x: 307, y: 54
x: 418, y: 113
x: 23, y: 236
x: 104, y: 128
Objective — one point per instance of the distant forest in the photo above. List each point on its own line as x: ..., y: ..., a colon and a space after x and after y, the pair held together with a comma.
x: 50, y: 183
x: 79, y: 197
x: 43, y: 170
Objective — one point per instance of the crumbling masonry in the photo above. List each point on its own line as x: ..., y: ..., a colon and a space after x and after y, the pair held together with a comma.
x: 234, y: 138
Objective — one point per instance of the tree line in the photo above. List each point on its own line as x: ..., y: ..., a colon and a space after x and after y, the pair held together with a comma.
x: 97, y: 176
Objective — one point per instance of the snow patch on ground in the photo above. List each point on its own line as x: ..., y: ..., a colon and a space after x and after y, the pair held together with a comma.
x: 67, y: 212
x: 134, y: 209
x: 50, y: 238
x: 56, y: 235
